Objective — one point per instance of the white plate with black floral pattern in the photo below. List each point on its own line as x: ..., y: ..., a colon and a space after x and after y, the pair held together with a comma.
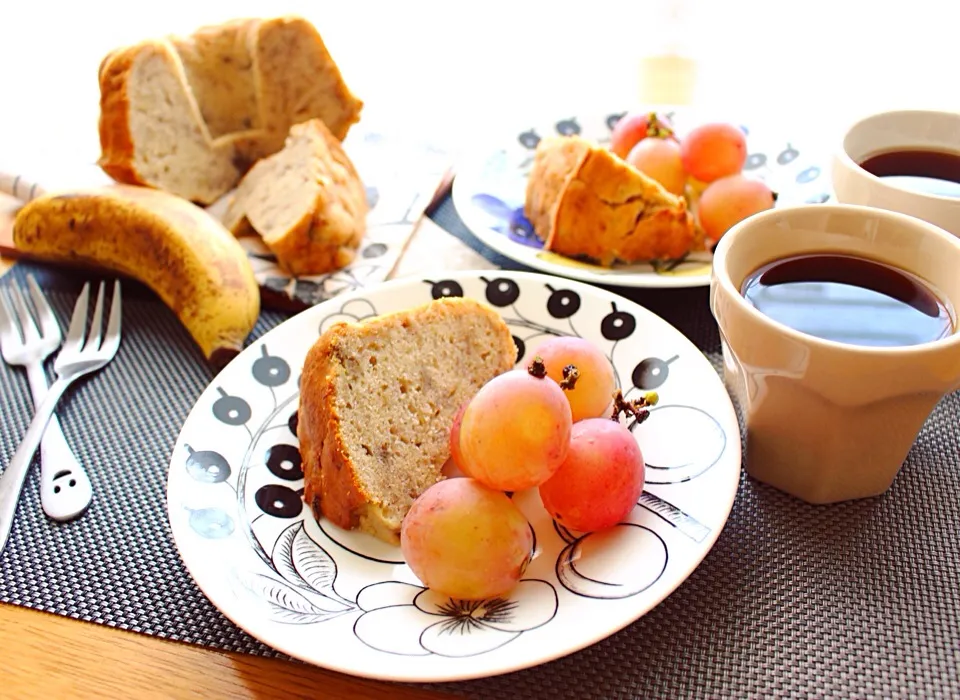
x: 347, y: 602
x: 490, y: 187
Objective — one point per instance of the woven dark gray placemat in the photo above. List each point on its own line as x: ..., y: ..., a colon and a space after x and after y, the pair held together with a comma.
x: 853, y: 600
x: 117, y: 564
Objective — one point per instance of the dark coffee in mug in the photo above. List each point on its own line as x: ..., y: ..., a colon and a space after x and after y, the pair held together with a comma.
x: 849, y: 299
x: 923, y: 170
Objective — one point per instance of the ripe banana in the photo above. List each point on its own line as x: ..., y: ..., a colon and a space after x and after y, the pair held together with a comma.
x: 183, y: 254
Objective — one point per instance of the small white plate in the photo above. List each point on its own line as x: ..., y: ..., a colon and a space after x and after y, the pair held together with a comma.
x: 490, y: 186
x: 347, y: 602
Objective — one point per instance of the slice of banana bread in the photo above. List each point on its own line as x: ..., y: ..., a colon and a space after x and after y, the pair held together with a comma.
x: 306, y: 201
x: 218, y: 63
x: 151, y: 129
x: 377, y: 401
x: 584, y: 201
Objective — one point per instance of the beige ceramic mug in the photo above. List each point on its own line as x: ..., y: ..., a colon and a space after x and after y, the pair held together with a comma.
x: 898, y: 131
x: 828, y: 421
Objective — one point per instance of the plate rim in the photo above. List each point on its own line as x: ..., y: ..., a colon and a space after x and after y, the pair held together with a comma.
x: 734, y: 445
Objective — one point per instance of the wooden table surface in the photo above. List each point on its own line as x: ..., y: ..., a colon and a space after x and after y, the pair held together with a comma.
x: 48, y: 656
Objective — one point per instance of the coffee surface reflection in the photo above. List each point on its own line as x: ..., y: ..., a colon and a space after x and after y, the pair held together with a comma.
x: 849, y: 300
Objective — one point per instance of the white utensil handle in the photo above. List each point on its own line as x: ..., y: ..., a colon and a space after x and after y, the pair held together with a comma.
x: 65, y: 489
x: 15, y: 473
x: 19, y: 187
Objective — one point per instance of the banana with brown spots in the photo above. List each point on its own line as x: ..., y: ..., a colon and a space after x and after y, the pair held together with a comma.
x: 177, y: 249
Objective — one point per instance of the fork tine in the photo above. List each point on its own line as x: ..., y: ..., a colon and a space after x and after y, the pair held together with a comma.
x: 9, y: 334
x: 48, y: 322
x: 28, y: 329
x: 96, y: 325
x: 111, y: 340
x: 78, y: 322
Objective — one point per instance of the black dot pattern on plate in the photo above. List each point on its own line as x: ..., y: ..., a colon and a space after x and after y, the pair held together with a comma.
x: 231, y: 410
x: 269, y: 370
x: 211, y: 523
x: 279, y: 501
x: 374, y: 250
x: 521, y: 348
x: 618, y: 325
x: 445, y: 288
x: 755, y: 161
x: 568, y: 127
x: 283, y: 461
x: 294, y: 419
x: 501, y: 291
x: 207, y: 466
x: 651, y: 373
x: 808, y: 175
x: 612, y: 119
x: 787, y: 155
x: 860, y: 599
x: 562, y: 303
x: 529, y: 139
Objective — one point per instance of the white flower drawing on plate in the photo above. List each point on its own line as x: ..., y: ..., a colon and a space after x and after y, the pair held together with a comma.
x: 401, y: 618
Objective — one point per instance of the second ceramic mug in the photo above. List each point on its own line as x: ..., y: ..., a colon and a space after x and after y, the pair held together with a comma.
x: 902, y: 130
x: 828, y: 421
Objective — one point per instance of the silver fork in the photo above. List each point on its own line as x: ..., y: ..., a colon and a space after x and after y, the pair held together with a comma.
x: 81, y: 355
x: 65, y: 490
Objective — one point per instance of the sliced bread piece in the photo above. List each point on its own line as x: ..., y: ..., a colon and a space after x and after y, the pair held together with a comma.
x: 218, y: 63
x: 306, y: 201
x: 377, y: 401
x: 151, y: 130
x: 297, y: 79
x: 584, y: 201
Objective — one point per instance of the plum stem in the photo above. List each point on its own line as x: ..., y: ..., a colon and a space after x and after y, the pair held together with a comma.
x: 570, y: 376
x: 536, y: 368
x: 636, y: 407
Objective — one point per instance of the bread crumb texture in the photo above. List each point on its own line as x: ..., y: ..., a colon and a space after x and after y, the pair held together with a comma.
x: 585, y: 202
x: 378, y: 399
x: 307, y: 202
x: 190, y: 115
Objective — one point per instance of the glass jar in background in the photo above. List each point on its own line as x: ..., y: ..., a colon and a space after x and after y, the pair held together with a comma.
x: 668, y: 66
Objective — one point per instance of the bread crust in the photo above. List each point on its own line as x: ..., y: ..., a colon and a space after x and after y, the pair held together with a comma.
x: 331, y: 485
x: 584, y: 201
x: 116, y: 139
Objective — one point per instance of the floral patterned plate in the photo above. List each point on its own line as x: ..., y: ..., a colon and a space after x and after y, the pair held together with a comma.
x: 346, y: 601
x: 489, y: 189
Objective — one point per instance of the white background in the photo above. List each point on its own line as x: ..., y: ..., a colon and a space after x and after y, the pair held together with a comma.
x: 461, y: 71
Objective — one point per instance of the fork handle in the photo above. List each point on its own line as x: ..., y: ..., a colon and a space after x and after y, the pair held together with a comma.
x: 65, y: 489
x: 11, y: 481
